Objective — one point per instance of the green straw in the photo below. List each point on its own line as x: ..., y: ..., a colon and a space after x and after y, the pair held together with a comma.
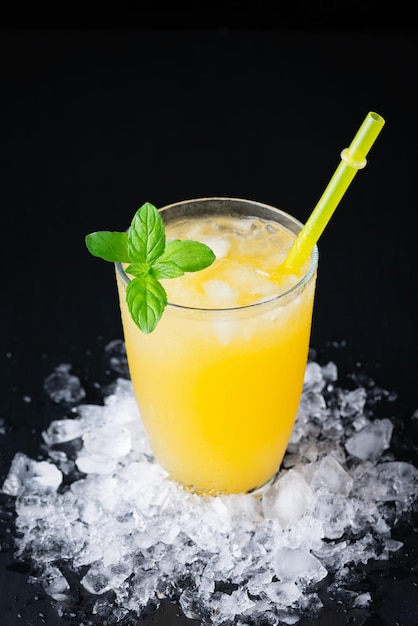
x: 352, y: 159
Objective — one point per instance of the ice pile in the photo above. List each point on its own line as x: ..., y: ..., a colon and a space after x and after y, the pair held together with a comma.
x: 98, y: 509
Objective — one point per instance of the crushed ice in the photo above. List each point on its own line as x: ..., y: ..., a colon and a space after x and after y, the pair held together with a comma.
x: 99, y: 506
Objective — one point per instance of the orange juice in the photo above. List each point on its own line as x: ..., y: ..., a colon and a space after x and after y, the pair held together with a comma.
x: 218, y: 382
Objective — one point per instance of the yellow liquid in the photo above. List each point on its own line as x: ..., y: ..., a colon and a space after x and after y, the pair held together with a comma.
x: 218, y: 391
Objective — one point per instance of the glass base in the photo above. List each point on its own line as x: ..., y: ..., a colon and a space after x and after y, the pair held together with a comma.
x: 256, y: 492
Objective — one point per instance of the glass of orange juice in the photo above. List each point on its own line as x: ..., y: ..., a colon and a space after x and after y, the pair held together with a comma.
x: 219, y: 380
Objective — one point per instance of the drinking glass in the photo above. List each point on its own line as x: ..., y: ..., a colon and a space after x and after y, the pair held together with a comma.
x: 218, y: 387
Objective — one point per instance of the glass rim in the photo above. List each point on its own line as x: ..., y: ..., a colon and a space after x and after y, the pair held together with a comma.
x: 280, y: 296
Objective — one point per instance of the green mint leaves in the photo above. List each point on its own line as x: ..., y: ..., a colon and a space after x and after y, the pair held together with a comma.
x: 143, y: 247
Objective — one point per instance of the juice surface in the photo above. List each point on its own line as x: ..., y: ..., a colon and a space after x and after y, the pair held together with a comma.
x: 248, y: 251
x: 219, y: 390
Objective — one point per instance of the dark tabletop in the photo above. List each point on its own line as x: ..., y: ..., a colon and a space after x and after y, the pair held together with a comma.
x: 96, y: 121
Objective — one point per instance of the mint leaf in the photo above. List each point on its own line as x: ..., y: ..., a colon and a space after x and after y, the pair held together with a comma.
x: 146, y: 235
x: 110, y: 246
x: 146, y: 299
x: 137, y: 269
x: 149, y: 259
x: 191, y: 256
x: 166, y: 270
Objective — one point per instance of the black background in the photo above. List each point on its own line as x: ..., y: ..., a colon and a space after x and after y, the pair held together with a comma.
x: 98, y: 119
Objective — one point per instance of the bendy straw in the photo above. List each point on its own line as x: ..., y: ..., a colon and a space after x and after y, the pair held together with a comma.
x: 352, y: 160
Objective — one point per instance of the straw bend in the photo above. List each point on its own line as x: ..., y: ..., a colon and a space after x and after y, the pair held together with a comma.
x: 358, y: 165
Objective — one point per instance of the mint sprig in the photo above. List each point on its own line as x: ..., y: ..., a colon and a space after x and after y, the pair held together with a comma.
x: 150, y: 259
